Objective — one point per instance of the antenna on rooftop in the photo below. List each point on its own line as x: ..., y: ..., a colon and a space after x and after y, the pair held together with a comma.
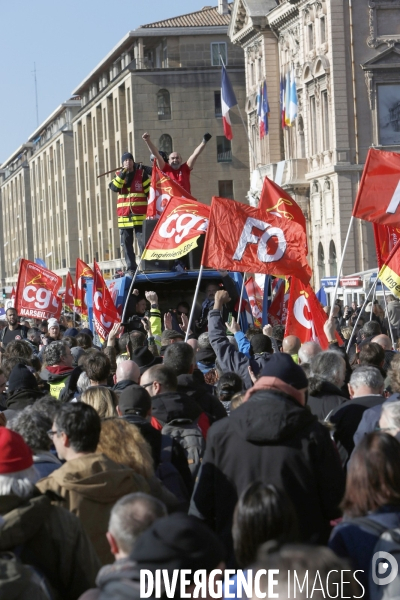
x: 36, y: 96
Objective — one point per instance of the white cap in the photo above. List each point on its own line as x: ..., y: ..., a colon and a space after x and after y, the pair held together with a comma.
x: 53, y: 323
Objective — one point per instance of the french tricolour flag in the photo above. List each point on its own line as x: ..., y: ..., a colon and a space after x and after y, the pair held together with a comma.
x: 228, y: 100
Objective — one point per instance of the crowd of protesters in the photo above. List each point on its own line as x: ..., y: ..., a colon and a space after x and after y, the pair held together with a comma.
x: 233, y: 450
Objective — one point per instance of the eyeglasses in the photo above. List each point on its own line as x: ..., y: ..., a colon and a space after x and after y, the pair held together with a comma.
x: 145, y: 385
x: 51, y: 433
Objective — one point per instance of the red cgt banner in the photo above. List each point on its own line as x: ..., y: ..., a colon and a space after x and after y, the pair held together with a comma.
x: 69, y: 298
x: 82, y: 270
x: 255, y: 296
x: 104, y: 311
x: 240, y: 238
x: 36, y: 294
x: 162, y: 188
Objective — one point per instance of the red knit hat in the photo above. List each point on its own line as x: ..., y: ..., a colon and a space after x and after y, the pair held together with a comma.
x: 15, y: 455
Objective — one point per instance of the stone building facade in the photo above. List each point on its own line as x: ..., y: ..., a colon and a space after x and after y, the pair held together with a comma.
x: 346, y: 58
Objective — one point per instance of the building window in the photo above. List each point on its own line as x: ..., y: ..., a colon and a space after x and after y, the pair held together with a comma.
x: 86, y: 176
x: 313, y: 126
x: 105, y: 123
x: 98, y: 209
x: 94, y: 132
x: 77, y: 179
x: 310, y: 36
x: 128, y: 98
x: 217, y: 104
x: 218, y: 52
x: 224, y: 149
x: 325, y: 119
x: 225, y: 189
x: 84, y: 139
x: 163, y: 105
x: 116, y: 113
x: 165, y: 143
x: 322, y: 30
x: 332, y: 259
x: 130, y: 141
x: 321, y: 261
x: 118, y: 154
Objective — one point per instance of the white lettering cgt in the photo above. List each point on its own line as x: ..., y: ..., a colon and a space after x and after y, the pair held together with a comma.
x: 298, y: 311
x: 181, y: 224
x: 96, y: 299
x: 248, y: 237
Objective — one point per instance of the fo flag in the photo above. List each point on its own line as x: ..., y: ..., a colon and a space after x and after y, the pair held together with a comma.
x: 378, y: 197
x: 82, y: 270
x: 276, y: 201
x: 36, y: 294
x: 162, y: 188
x: 241, y: 238
x: 104, y: 311
x: 255, y: 296
x: 228, y: 100
x: 177, y: 230
x: 390, y: 272
x: 69, y: 297
x: 306, y: 316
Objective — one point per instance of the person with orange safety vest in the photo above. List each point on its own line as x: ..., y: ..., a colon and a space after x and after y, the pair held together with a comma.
x: 132, y: 184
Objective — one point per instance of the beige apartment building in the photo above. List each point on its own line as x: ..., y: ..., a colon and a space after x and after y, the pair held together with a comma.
x: 163, y: 78
x: 346, y: 59
x: 16, y: 240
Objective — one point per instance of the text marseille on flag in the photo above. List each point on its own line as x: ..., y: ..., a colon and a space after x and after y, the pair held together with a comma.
x: 228, y: 100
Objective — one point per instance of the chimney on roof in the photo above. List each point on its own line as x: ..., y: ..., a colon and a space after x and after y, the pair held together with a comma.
x: 223, y: 7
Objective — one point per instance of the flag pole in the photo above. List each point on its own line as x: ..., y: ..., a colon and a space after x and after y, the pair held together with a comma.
x: 241, y: 297
x: 373, y: 300
x: 387, y: 315
x: 341, y: 265
x: 196, y: 293
x: 130, y: 290
x: 360, y: 313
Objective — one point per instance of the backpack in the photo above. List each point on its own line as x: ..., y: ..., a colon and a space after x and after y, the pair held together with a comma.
x: 188, y: 434
x: 168, y: 474
x: 388, y: 545
x: 19, y: 581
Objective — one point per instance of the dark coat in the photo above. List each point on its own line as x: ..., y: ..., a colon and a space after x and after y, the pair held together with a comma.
x: 172, y: 405
x: 324, y: 397
x: 53, y: 540
x: 119, y: 581
x: 20, y: 399
x: 273, y: 439
x: 346, y: 419
x: 370, y: 419
x: 187, y: 384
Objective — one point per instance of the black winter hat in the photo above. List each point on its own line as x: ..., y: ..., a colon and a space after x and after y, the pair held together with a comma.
x: 125, y: 156
x: 144, y: 359
x: 134, y: 400
x: 261, y: 343
x: 21, y: 378
x: 178, y: 541
x: 283, y: 367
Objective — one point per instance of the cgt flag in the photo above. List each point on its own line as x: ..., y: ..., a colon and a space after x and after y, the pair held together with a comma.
x: 177, y: 230
x: 378, y: 197
x: 69, y: 298
x: 161, y: 190
x: 82, y: 270
x: 36, y: 294
x: 104, y: 312
x: 276, y: 201
x: 241, y: 238
x: 277, y: 312
x: 255, y: 296
x: 305, y: 317
x: 389, y: 274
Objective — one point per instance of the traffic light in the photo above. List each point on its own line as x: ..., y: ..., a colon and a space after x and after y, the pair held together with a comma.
x: 4, y: 292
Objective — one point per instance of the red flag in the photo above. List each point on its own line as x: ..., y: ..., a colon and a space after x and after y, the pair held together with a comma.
x: 178, y: 229
x: 162, y: 188
x: 255, y: 295
x: 390, y: 271
x: 385, y: 240
x: 36, y: 294
x: 277, y: 312
x: 240, y: 238
x: 12, y: 297
x: 104, y: 311
x: 275, y: 200
x: 82, y: 270
x: 306, y: 316
x: 378, y: 197
x: 69, y: 297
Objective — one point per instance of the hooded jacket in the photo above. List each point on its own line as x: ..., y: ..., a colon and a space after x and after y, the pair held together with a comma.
x: 119, y: 581
x: 174, y: 405
x: 271, y: 438
x: 62, y: 381
x: 228, y: 357
x: 324, y: 397
x: 20, y: 399
x: 209, y: 403
x: 90, y: 486
x: 52, y: 540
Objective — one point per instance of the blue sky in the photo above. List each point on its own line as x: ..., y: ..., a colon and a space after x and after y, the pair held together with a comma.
x: 66, y: 41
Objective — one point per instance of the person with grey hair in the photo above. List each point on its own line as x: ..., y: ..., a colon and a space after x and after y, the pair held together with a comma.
x: 33, y: 426
x: 58, y: 372
x: 365, y: 390
x: 205, y: 355
x: 390, y: 418
x: 308, y: 351
x: 328, y: 371
x: 130, y: 517
x: 49, y: 538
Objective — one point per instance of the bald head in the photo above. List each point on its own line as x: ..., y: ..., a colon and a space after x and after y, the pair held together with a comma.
x: 128, y: 370
x: 291, y: 344
x: 384, y: 341
x: 307, y: 351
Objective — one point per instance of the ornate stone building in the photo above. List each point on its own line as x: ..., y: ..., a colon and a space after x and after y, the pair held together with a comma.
x: 346, y: 57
